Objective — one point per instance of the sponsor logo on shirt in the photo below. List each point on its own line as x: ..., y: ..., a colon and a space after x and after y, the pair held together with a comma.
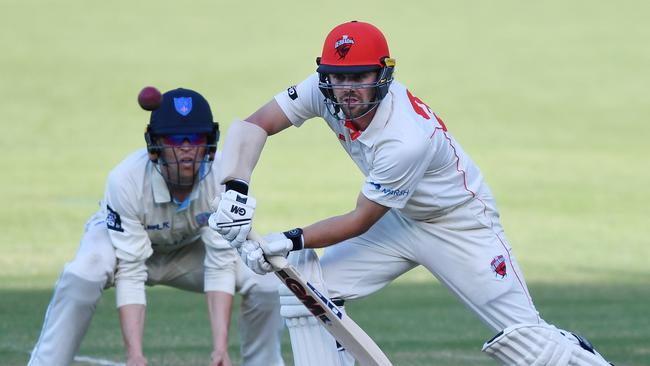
x: 113, y: 220
x: 293, y: 93
x: 163, y: 226
x: 387, y: 191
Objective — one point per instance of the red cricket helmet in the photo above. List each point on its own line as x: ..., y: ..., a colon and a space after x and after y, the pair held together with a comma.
x: 351, y: 48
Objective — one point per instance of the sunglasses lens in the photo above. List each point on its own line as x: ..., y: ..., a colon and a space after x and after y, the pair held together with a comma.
x: 177, y: 140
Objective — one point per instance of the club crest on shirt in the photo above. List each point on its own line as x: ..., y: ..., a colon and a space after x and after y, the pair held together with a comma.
x: 183, y: 105
x: 343, y: 46
x: 113, y: 220
x: 498, y: 265
x: 202, y: 218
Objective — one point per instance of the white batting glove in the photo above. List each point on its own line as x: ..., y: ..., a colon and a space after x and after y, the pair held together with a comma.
x: 253, y: 257
x: 234, y: 217
x: 277, y: 244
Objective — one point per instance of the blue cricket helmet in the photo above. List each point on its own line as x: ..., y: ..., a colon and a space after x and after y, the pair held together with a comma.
x: 182, y: 111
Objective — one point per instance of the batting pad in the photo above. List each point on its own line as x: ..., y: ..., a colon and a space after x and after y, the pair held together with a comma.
x: 541, y: 345
x: 310, y: 342
x: 241, y: 151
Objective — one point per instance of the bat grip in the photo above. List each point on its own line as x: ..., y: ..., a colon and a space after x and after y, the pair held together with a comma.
x: 277, y: 261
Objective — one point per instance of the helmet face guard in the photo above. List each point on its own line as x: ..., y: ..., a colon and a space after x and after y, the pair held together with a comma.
x: 173, y: 160
x: 380, y: 88
x: 354, y: 48
x: 182, y: 135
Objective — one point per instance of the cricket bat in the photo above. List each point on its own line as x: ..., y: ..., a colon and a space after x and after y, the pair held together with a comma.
x: 338, y: 324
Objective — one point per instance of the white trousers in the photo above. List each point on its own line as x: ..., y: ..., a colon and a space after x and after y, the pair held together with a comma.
x: 465, y: 249
x: 79, y: 289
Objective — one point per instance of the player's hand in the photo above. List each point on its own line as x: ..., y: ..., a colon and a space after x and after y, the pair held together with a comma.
x: 136, y: 361
x: 220, y: 358
x: 254, y: 256
x: 233, y: 218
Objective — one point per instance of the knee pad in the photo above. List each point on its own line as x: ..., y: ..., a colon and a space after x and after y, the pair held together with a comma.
x: 542, y: 345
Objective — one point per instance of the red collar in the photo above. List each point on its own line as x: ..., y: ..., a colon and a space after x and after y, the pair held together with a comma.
x: 354, y: 133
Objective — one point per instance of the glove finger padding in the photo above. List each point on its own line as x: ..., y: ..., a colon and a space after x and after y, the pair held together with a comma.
x: 253, y: 257
x: 247, y: 247
x: 242, y: 233
x: 257, y: 263
x: 265, y: 266
x: 214, y: 222
x: 279, y: 247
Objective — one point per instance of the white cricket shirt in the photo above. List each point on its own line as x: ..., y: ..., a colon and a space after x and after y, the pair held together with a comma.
x: 410, y: 160
x: 142, y: 217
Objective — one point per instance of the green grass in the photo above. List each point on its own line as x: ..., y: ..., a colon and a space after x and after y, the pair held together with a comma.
x: 415, y: 322
x: 549, y: 98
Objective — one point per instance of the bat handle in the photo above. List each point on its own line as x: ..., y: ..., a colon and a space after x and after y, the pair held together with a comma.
x: 277, y: 261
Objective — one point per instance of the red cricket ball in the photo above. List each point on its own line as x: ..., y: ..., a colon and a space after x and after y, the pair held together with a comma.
x: 149, y: 98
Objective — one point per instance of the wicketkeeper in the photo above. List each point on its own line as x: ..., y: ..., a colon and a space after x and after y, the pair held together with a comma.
x: 152, y: 229
x: 423, y: 202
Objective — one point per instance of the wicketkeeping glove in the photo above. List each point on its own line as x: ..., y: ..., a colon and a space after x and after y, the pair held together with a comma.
x: 234, y: 217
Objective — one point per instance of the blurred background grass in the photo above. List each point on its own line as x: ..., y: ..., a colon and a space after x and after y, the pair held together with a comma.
x: 549, y: 98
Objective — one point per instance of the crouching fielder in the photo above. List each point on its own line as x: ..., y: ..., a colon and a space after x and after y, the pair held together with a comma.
x: 152, y: 229
x: 423, y: 202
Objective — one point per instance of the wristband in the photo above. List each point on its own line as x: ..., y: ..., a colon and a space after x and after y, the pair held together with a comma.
x: 295, y: 235
x: 237, y: 186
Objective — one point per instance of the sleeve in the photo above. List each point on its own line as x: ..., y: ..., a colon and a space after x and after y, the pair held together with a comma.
x: 397, y: 169
x: 130, y: 240
x: 302, y: 102
x: 220, y: 262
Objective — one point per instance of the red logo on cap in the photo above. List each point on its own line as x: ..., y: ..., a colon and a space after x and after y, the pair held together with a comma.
x: 498, y: 265
x: 343, y: 46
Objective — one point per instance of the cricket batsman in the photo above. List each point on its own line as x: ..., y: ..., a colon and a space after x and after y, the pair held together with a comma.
x: 423, y: 202
x: 152, y: 229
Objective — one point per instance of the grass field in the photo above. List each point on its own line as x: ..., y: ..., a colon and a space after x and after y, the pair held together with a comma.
x: 549, y: 98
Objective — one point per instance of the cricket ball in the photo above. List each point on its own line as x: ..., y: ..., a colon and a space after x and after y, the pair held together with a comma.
x: 149, y: 98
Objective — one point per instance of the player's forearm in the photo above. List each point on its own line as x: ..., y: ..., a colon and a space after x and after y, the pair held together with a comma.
x: 132, y: 323
x: 219, y: 310
x: 333, y: 230
x: 339, y: 228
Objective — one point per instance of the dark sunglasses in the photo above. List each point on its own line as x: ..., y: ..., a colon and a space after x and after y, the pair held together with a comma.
x: 178, y: 140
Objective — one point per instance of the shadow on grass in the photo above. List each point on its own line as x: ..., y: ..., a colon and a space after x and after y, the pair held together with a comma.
x: 416, y: 324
